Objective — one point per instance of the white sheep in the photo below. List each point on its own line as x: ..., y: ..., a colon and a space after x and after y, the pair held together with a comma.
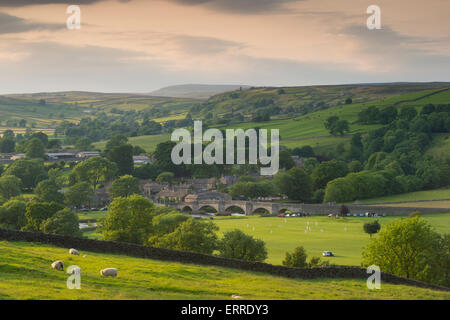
x: 58, y: 265
x: 109, y: 272
x: 74, y: 252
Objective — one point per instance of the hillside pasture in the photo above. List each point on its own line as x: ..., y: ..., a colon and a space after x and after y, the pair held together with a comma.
x: 26, y: 274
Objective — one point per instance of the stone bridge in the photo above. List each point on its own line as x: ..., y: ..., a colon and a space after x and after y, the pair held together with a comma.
x: 273, y: 208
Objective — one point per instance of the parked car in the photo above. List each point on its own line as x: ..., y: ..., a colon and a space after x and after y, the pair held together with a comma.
x: 327, y: 254
x: 281, y: 215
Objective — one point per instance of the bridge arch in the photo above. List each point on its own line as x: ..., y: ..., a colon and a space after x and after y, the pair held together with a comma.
x: 187, y: 209
x: 208, y: 209
x: 235, y: 209
x: 262, y: 210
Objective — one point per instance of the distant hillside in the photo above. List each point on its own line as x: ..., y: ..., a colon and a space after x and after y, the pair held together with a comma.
x: 195, y: 91
x: 275, y: 101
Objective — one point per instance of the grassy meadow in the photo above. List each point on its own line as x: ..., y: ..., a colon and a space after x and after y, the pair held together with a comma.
x: 344, y: 237
x: 26, y: 274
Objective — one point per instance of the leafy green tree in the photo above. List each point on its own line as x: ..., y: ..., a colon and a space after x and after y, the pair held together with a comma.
x: 286, y: 161
x: 48, y: 191
x: 12, y: 214
x: 304, y: 152
x: 94, y: 170
x: 30, y: 172
x: 191, y: 235
x: 64, y: 222
x: 129, y: 219
x: 38, y: 212
x: 410, y: 248
x: 408, y: 113
x: 295, y: 183
x: 124, y: 187
x: 372, y: 227
x: 7, y: 145
x: 339, y: 190
x: 35, y: 149
x: 238, y: 245
x: 327, y: 171
x: 84, y: 144
x: 79, y: 194
x: 165, y: 177
x: 166, y: 223
x: 122, y: 156
x: 10, y: 186
x: 296, y: 259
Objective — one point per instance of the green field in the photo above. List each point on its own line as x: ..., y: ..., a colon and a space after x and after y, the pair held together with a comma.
x: 344, y: 237
x: 437, y: 194
x: 26, y: 274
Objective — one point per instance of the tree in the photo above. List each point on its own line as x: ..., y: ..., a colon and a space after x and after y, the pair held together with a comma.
x: 237, y: 245
x: 7, y: 145
x: 327, y: 171
x: 191, y: 235
x: 94, y: 170
x: 408, y: 113
x: 64, y: 222
x: 286, y: 161
x: 304, y: 152
x: 48, y: 191
x: 122, y: 156
x: 129, y: 219
x: 34, y: 148
x: 30, y: 172
x: 296, y: 259
x: 410, y: 248
x: 84, y: 144
x: 295, y: 183
x: 348, y: 101
x: 372, y: 227
x: 79, y: 194
x: 38, y: 212
x: 165, y: 177
x: 339, y: 190
x: 125, y: 186
x: 12, y: 214
x: 10, y: 186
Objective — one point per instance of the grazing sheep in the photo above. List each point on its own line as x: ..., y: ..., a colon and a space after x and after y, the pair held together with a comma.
x: 58, y: 265
x: 74, y: 252
x: 109, y: 272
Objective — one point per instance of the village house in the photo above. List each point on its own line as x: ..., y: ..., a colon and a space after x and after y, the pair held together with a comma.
x: 139, y: 160
x: 204, y: 196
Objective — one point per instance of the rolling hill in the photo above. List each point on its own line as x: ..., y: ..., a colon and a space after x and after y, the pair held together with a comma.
x: 26, y: 274
x: 195, y: 91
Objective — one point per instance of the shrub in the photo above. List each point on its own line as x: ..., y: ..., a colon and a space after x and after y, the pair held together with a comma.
x: 296, y: 259
x: 237, y: 245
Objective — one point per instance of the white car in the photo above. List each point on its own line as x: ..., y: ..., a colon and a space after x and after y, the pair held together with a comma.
x: 327, y: 254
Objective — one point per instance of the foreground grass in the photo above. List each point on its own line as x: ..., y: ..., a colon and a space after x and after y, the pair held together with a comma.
x: 344, y: 237
x: 26, y: 274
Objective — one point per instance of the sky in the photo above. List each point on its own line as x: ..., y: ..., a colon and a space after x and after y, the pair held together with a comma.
x: 142, y: 45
